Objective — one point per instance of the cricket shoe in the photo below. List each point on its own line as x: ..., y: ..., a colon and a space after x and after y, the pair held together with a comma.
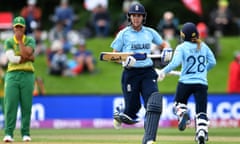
x: 201, y: 137
x: 8, y: 139
x: 183, y: 121
x: 26, y: 138
x: 117, y: 123
x: 151, y: 142
x: 127, y: 120
x: 200, y: 134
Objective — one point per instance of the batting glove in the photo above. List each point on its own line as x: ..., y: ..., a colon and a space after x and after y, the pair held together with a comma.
x: 129, y: 62
x: 167, y: 54
x: 161, y: 75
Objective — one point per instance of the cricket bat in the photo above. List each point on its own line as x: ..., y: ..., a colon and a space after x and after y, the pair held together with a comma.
x: 121, y: 56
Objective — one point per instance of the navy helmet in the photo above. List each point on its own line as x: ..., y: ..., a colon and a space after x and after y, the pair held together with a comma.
x: 137, y: 8
x: 189, y: 31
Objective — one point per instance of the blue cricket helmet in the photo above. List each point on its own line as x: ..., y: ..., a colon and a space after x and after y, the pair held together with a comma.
x: 137, y: 8
x: 189, y: 31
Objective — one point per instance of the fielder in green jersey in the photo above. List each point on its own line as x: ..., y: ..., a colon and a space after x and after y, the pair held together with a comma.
x: 19, y: 80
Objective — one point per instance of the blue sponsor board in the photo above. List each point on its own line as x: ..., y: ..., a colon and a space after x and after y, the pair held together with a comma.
x: 95, y: 111
x: 220, y: 106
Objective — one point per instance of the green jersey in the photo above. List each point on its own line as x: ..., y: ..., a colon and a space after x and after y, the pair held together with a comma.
x: 12, y: 43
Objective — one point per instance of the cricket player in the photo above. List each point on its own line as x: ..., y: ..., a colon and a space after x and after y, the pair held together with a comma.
x: 196, y: 59
x: 19, y: 80
x: 139, y: 77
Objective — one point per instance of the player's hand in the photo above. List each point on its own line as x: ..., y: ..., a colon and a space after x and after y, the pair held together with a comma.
x: 167, y: 54
x: 129, y: 62
x: 161, y: 75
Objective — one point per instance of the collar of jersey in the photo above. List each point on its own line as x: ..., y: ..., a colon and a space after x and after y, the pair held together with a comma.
x: 15, y: 40
x: 135, y: 30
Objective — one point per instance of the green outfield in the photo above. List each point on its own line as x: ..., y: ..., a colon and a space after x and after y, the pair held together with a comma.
x: 107, y: 78
x: 127, y: 136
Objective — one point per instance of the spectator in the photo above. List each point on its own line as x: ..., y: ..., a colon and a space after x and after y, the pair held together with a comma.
x: 168, y: 26
x: 221, y: 19
x: 203, y: 30
x: 40, y: 45
x: 32, y: 15
x: 101, y: 21
x: 234, y: 75
x: 213, y: 42
x: 65, y: 14
x: 39, y: 89
x: 123, y: 20
x: 57, y: 59
x: 91, y: 4
x: 84, y: 59
x: 57, y: 33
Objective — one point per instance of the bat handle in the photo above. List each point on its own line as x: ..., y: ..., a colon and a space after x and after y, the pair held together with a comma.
x: 140, y: 56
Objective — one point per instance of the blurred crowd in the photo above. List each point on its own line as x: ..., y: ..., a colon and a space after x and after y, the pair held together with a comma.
x: 67, y: 52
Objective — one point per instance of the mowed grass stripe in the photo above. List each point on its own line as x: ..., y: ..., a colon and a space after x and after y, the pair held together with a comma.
x: 126, y: 136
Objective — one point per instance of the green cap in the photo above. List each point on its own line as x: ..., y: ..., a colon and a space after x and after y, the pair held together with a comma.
x: 19, y: 21
x: 223, y: 2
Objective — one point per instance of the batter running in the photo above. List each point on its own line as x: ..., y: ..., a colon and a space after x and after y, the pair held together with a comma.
x: 139, y: 77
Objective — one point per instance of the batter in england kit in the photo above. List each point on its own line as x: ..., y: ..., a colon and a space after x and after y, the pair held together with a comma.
x: 196, y: 59
x: 139, y: 77
x: 19, y: 80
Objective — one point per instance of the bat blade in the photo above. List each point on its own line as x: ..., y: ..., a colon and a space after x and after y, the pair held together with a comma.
x: 114, y: 56
x: 119, y: 56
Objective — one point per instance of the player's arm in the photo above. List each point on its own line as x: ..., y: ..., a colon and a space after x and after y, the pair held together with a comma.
x: 12, y: 57
x: 26, y: 53
x: 166, y: 51
x: 211, y: 61
x: 163, y: 45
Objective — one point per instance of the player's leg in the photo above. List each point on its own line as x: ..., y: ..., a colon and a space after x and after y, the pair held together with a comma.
x: 153, y: 105
x: 11, y: 99
x: 130, y: 88
x: 180, y: 105
x: 26, y: 102
x: 182, y: 113
x: 201, y: 125
x: 201, y: 119
x: 153, y: 113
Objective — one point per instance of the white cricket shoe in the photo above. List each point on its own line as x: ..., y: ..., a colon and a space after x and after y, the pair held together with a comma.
x: 117, y: 124
x: 26, y: 138
x: 151, y: 142
x: 8, y: 138
x: 201, y: 137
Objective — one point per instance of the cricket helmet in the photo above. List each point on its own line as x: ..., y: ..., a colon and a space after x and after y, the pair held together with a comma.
x: 137, y: 8
x: 189, y: 31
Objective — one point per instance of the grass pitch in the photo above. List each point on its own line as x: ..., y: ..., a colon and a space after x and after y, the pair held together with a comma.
x: 126, y: 136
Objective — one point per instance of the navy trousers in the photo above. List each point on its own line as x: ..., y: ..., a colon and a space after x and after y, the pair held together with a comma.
x: 137, y: 82
x: 199, y: 91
